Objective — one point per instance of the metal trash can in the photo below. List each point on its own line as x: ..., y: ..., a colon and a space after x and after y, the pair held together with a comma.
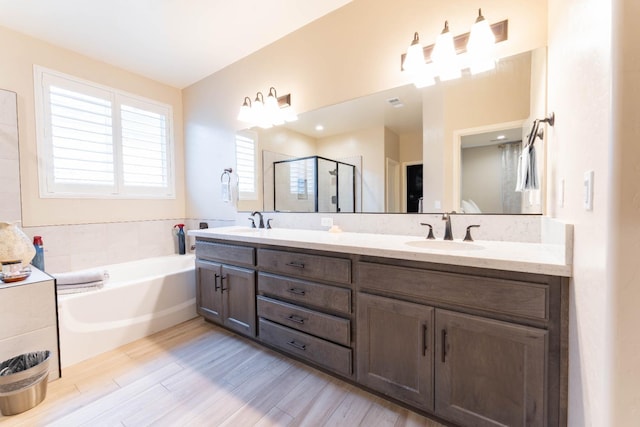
x: 23, y: 381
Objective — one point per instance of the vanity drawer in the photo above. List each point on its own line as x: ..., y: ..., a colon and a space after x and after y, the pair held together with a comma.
x: 306, y: 266
x: 307, y: 293
x: 322, y: 325
x: 225, y: 253
x: 510, y: 297
x: 324, y: 353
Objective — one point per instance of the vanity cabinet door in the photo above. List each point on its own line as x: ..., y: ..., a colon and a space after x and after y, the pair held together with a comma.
x: 227, y: 295
x: 489, y: 373
x: 395, y: 349
x: 208, y: 296
x: 238, y: 293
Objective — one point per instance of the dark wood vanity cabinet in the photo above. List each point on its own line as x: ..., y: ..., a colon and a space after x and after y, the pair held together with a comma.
x: 395, y: 349
x: 304, y: 307
x: 225, y: 292
x: 473, y: 346
x: 479, y: 349
x: 489, y: 373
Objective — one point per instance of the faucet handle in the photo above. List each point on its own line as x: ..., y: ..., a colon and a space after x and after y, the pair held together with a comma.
x: 430, y: 236
x: 253, y: 223
x: 467, y: 237
x: 269, y: 222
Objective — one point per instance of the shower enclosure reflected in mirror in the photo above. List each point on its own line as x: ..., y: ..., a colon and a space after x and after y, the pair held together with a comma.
x: 313, y: 184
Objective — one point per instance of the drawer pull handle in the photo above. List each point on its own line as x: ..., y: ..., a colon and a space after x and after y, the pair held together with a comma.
x: 296, y: 264
x: 297, y: 291
x: 297, y: 345
x: 296, y: 319
x: 444, y: 346
x: 215, y: 282
x: 222, y: 288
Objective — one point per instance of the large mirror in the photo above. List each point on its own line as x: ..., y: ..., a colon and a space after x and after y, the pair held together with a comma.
x: 452, y: 146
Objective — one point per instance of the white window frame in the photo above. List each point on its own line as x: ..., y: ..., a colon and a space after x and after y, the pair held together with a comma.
x: 252, y: 136
x: 50, y: 189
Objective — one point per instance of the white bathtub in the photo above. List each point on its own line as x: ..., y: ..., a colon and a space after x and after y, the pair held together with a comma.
x: 138, y: 299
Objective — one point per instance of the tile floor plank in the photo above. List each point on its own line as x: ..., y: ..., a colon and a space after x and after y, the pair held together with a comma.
x: 199, y: 374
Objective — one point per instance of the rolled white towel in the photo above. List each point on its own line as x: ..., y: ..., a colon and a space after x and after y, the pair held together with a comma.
x: 79, y: 287
x: 75, y: 277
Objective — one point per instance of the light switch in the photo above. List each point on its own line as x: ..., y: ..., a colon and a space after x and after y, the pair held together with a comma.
x: 588, y: 191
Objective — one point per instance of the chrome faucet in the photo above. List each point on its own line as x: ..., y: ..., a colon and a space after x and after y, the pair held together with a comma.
x: 261, y: 224
x: 448, y: 235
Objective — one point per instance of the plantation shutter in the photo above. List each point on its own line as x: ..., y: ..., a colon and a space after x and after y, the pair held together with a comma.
x: 246, y: 167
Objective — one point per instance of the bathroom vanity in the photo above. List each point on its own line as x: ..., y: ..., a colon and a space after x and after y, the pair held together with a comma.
x: 473, y: 333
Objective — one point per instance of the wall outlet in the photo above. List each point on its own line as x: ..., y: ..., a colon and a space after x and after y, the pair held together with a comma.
x: 437, y: 204
x: 588, y: 191
x: 326, y: 222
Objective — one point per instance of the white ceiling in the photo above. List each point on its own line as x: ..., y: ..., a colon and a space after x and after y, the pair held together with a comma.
x: 177, y: 42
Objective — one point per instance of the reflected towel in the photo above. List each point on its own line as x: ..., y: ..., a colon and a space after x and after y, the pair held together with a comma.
x: 75, y: 277
x: 527, y: 173
x: 531, y: 179
x: 79, y: 287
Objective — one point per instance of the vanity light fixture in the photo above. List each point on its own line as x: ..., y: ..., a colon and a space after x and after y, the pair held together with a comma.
x: 480, y: 46
x: 438, y: 56
x: 444, y: 56
x: 267, y: 113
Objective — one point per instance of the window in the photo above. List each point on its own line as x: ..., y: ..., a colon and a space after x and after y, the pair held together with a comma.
x: 95, y: 141
x: 246, y: 165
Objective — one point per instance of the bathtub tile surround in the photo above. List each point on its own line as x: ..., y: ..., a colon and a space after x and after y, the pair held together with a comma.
x: 82, y: 246
x: 10, y: 210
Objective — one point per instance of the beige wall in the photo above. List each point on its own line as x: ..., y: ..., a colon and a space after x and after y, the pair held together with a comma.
x: 411, y: 147
x: 20, y: 53
x: 579, y: 92
x: 624, y: 222
x: 349, y: 53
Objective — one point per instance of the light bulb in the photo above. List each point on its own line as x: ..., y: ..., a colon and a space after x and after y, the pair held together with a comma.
x: 444, y: 56
x: 481, y: 45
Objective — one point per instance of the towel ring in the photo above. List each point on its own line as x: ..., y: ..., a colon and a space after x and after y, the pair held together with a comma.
x: 227, y: 173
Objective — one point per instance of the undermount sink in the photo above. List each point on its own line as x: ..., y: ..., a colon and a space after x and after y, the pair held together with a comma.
x: 445, y: 245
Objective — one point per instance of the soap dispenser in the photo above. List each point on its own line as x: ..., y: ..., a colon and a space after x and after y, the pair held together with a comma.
x: 181, y: 243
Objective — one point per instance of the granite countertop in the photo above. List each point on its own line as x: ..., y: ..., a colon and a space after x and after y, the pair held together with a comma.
x: 511, y: 256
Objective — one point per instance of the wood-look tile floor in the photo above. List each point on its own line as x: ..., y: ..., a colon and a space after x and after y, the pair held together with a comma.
x: 196, y: 374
